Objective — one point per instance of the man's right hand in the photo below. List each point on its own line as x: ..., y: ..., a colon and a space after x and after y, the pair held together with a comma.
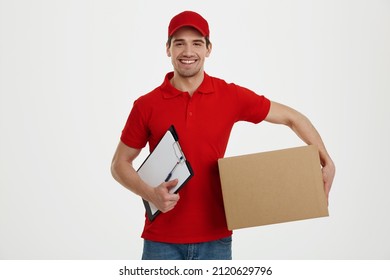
x: 162, y: 198
x: 123, y: 171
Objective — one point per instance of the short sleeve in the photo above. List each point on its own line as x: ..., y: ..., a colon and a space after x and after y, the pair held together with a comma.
x: 135, y: 134
x: 251, y: 106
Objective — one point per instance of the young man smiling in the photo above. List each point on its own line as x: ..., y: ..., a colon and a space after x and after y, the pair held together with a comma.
x: 188, y: 50
x: 203, y: 110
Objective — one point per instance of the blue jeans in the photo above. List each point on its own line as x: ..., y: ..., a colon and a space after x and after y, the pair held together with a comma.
x: 215, y: 250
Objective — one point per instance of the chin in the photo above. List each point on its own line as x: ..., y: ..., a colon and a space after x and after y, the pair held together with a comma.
x: 189, y: 73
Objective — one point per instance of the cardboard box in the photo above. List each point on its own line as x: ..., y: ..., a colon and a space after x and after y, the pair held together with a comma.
x: 272, y: 187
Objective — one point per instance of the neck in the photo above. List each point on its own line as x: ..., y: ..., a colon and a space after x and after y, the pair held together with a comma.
x: 187, y: 84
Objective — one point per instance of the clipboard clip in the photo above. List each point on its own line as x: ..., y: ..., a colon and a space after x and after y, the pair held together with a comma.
x: 180, y: 159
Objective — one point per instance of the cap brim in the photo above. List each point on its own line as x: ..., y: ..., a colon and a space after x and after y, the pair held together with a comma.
x: 189, y: 25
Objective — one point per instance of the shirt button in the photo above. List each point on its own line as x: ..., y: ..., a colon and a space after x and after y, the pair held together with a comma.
x: 190, y: 114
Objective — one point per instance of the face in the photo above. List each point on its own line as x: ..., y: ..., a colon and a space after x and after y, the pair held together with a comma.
x: 188, y: 52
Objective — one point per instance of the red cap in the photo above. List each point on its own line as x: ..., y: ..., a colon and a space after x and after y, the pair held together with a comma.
x: 189, y: 18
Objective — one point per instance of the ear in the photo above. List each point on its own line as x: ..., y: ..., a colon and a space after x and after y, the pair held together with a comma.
x: 168, y: 50
x: 209, y: 48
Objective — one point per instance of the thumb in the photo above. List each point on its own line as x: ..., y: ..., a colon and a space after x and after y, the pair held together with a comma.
x: 171, y: 184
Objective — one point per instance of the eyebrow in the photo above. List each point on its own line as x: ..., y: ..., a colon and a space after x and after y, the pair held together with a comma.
x: 198, y: 41
x: 194, y: 41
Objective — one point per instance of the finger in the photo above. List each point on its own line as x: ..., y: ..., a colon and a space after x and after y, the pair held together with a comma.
x: 174, y: 198
x: 168, y: 198
x: 172, y: 183
x: 169, y: 206
x: 166, y: 186
x: 327, y: 186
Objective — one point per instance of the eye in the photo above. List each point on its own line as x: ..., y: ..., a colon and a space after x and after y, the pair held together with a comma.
x: 198, y: 44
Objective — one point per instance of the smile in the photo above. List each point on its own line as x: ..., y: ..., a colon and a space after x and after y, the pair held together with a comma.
x: 187, y: 61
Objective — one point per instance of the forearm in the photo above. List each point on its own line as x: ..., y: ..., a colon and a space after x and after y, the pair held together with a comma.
x: 301, y: 125
x: 305, y: 130
x: 160, y: 196
x: 125, y: 174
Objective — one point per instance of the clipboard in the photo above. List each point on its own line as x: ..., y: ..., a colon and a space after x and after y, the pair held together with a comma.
x: 167, y: 161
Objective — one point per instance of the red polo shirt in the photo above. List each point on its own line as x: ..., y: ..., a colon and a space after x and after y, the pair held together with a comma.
x: 203, y: 123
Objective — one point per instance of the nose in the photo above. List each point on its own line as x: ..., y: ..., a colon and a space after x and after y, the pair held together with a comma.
x: 187, y: 51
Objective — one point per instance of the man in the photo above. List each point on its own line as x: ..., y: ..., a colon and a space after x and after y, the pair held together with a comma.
x: 203, y: 110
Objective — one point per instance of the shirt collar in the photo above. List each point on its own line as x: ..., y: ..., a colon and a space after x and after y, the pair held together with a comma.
x: 169, y: 91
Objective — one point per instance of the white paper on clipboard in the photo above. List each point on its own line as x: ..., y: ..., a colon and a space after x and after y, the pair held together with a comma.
x: 166, y: 159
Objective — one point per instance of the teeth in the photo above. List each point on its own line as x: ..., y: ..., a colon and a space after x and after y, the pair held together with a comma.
x: 187, y: 61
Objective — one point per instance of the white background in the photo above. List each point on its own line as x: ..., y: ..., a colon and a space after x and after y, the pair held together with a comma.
x: 70, y: 70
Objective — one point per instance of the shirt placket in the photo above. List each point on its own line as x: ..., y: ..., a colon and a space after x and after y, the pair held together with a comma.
x: 190, y: 114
